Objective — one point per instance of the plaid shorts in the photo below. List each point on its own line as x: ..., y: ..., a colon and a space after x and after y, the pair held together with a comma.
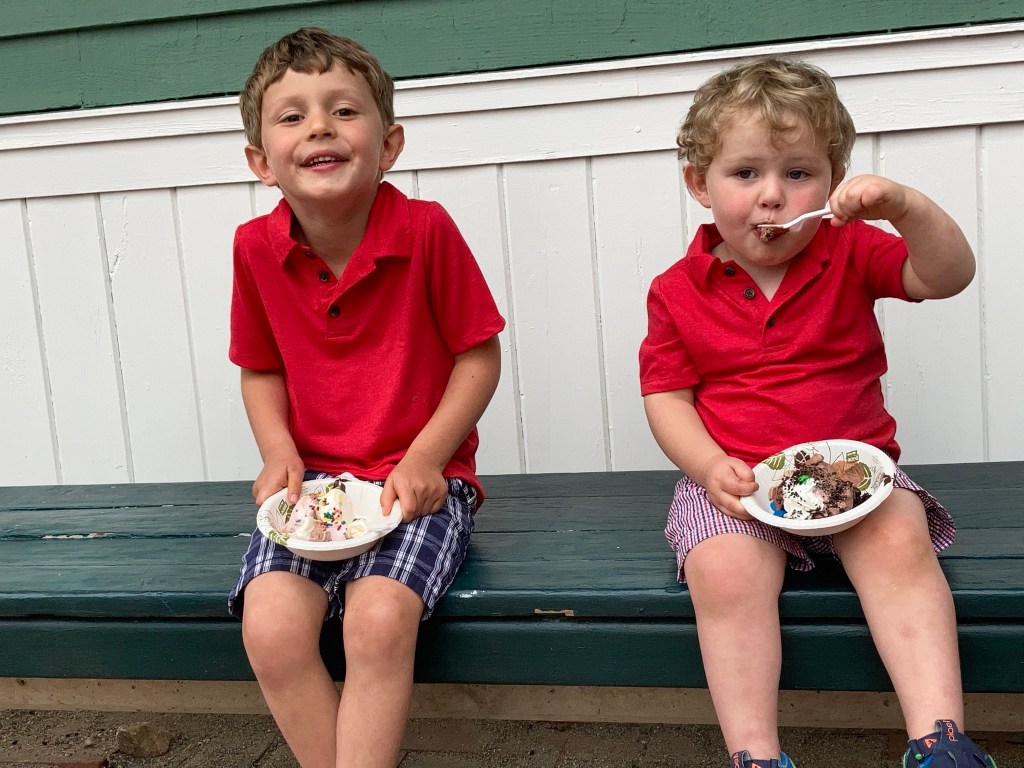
x: 424, y: 555
x: 692, y: 518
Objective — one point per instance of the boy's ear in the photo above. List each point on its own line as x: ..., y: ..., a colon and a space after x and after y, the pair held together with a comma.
x: 697, y: 185
x: 394, y: 143
x: 258, y: 164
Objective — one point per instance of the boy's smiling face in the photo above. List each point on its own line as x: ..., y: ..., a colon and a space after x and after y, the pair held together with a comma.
x: 324, y: 140
x: 753, y: 179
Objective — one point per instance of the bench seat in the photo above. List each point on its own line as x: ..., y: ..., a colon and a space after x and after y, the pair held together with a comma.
x: 569, y: 581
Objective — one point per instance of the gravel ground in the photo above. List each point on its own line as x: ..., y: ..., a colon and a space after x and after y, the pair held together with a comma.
x: 43, y: 739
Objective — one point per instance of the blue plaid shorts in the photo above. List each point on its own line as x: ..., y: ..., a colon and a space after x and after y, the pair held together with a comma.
x: 424, y: 555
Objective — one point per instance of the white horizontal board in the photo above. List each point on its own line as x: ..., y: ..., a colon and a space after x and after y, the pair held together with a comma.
x: 603, y: 109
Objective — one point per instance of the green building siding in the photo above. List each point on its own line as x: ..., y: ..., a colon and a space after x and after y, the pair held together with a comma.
x: 67, y: 54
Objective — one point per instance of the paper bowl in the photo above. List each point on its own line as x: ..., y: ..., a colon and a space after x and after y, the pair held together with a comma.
x: 878, y: 470
x: 366, y: 501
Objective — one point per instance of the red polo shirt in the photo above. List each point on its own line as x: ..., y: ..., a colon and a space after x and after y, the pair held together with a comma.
x: 366, y: 357
x: 769, y: 374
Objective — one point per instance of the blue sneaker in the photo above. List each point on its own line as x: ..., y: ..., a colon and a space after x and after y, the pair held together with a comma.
x: 744, y: 760
x: 946, y: 748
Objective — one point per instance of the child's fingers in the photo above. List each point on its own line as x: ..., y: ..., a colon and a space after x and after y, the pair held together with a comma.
x: 388, y: 497
x: 294, y: 484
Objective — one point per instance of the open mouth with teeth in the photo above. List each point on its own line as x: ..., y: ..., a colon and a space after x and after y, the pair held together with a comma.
x: 321, y: 160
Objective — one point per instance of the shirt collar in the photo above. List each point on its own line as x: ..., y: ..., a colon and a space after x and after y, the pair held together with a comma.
x: 810, y: 261
x: 388, y: 229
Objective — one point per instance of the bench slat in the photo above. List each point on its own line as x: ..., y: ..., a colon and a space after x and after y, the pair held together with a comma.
x: 546, y: 652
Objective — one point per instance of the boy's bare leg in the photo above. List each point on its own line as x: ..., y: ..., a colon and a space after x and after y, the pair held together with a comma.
x: 380, y: 625
x: 734, y: 582
x: 281, y: 621
x: 909, y: 609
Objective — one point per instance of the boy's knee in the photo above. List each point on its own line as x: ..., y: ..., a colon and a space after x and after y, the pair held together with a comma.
x: 894, y: 539
x: 381, y: 630
x: 280, y: 631
x: 721, y: 578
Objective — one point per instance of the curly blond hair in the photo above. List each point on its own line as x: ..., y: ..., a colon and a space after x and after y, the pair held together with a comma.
x: 780, y: 89
x: 311, y: 49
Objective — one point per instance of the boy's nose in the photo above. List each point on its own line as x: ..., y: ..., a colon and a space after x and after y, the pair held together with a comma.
x: 771, y: 194
x: 320, y: 124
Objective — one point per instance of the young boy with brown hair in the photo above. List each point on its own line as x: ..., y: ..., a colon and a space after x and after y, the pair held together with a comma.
x: 367, y: 340
x: 757, y: 343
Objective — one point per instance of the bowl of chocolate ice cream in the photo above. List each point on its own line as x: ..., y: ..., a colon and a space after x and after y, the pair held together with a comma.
x: 820, y: 488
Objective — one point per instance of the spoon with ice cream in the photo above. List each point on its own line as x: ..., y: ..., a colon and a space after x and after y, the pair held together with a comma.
x: 771, y: 231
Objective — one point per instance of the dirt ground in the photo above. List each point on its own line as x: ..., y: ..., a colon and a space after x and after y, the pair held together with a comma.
x: 43, y: 739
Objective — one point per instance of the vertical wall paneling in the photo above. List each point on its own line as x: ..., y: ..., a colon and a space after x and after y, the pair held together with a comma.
x: 933, y: 347
x: 472, y: 197
x: 115, y: 279
x: 78, y: 335
x: 152, y: 335
x: 207, y: 219
x: 553, y: 295
x: 1001, y: 282
x: 29, y: 456
x: 638, y: 235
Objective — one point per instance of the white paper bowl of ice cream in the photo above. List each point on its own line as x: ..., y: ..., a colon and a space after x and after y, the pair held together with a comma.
x: 820, y: 488
x: 335, y: 518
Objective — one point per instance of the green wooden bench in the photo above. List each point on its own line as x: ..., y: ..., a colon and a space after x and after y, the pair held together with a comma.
x: 569, y: 582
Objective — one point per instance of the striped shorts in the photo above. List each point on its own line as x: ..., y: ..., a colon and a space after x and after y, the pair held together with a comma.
x: 424, y: 555
x: 692, y: 518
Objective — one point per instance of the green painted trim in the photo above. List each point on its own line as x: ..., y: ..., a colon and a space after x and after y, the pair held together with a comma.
x: 30, y: 17
x: 68, y: 54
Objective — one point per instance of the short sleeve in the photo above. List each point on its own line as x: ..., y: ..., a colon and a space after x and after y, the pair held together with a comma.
x: 878, y: 257
x: 665, y: 363
x: 462, y: 303
x: 252, y: 339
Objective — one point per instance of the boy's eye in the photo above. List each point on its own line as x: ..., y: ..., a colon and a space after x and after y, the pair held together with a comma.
x: 344, y: 112
x: 796, y: 175
x: 745, y: 173
x: 291, y: 118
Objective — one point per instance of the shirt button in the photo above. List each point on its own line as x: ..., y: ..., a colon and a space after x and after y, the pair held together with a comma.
x: 771, y: 322
x: 334, y: 311
x: 310, y: 255
x: 749, y: 293
x: 324, y: 276
x: 730, y: 271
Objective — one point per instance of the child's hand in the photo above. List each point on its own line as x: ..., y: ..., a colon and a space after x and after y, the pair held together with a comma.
x: 419, y: 487
x: 279, y: 470
x: 869, y: 197
x: 726, y: 479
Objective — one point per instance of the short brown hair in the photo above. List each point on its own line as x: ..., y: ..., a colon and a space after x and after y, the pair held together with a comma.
x: 311, y: 49
x: 780, y: 89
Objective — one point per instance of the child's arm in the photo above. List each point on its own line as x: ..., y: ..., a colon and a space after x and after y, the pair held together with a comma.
x: 940, y: 262
x: 679, y: 431
x: 266, y: 404
x: 417, y: 482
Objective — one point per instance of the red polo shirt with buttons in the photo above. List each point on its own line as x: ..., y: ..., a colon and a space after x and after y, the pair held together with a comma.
x: 806, y: 365
x: 366, y: 358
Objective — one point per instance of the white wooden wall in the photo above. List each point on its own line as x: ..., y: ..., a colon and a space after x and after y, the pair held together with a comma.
x: 115, y: 266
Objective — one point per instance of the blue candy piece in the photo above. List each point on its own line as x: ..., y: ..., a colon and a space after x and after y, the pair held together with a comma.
x: 777, y: 511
